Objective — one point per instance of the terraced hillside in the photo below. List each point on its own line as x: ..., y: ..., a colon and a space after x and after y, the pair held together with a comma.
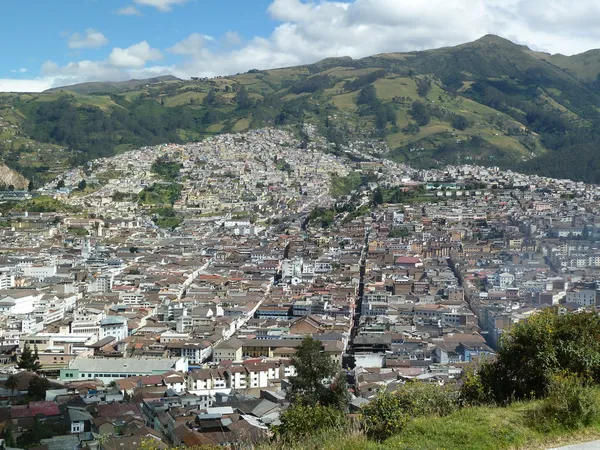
x: 489, y: 101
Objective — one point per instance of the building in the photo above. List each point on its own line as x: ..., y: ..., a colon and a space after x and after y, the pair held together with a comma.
x: 108, y: 370
x: 114, y: 326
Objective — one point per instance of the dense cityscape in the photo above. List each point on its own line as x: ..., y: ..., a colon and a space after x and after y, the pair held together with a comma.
x: 177, y: 320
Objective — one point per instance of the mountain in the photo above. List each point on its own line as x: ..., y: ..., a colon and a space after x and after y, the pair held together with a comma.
x: 488, y: 102
x: 113, y: 87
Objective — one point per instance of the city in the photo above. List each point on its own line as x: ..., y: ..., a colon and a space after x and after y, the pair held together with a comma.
x: 168, y: 332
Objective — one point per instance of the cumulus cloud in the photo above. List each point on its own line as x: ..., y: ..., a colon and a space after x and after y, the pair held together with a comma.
x: 311, y: 30
x: 128, y: 11
x: 135, y: 56
x: 10, y: 85
x: 232, y: 38
x: 161, y: 5
x: 191, y: 45
x: 89, y: 39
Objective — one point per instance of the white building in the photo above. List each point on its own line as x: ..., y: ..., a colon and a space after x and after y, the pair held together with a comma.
x: 114, y: 326
x: 17, y: 301
x: 582, y: 297
x: 108, y: 370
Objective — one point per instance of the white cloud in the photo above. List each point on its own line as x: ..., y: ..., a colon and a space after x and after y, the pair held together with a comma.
x: 10, y: 85
x: 135, y: 56
x: 232, y: 38
x: 312, y: 30
x: 161, y: 5
x: 21, y: 70
x: 191, y: 45
x: 89, y: 39
x: 128, y: 11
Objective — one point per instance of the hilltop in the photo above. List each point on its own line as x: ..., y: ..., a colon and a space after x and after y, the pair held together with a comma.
x: 489, y: 102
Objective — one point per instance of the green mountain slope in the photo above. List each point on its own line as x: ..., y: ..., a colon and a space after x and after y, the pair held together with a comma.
x: 489, y: 102
x: 111, y: 87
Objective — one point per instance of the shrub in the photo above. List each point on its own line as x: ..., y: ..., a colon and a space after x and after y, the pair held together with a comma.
x: 388, y: 413
x: 383, y: 416
x: 534, y: 351
x: 571, y: 403
x: 472, y: 391
x: 424, y: 399
x: 301, y: 421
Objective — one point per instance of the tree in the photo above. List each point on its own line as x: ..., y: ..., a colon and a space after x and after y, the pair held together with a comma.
x: 377, y: 197
x: 423, y: 86
x: 313, y: 370
x: 30, y: 186
x: 460, y: 122
x: 60, y: 184
x: 242, y: 99
x: 367, y: 95
x: 38, y: 387
x: 133, y: 249
x: 11, y: 383
x: 420, y: 113
x: 9, y: 439
x: 532, y: 352
x: 210, y: 97
x: 29, y: 360
x: 11, y: 187
x: 82, y: 185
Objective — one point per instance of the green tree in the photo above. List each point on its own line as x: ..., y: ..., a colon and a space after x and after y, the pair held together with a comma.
x: 82, y: 185
x: 242, y: 98
x: 30, y: 186
x: 60, y: 184
x: 29, y: 360
x: 210, y: 98
x: 420, y: 113
x: 9, y: 439
x: 377, y: 197
x: 460, y: 122
x: 367, y: 95
x: 38, y: 387
x: 317, y: 379
x: 11, y: 383
x: 532, y: 352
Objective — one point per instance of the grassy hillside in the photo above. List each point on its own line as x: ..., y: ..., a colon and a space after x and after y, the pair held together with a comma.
x: 488, y: 101
x: 472, y: 428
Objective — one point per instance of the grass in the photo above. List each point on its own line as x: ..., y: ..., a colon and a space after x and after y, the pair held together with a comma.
x: 184, y: 98
x: 473, y: 428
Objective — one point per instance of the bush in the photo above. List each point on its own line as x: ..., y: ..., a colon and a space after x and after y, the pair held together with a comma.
x: 534, y: 351
x: 424, y: 399
x: 388, y: 413
x: 301, y: 421
x: 571, y: 403
x: 472, y: 391
x: 383, y: 416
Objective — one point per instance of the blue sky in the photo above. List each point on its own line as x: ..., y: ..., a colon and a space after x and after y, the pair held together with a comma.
x: 46, y: 43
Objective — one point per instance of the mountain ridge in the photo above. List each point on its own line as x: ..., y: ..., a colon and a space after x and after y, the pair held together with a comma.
x: 489, y: 101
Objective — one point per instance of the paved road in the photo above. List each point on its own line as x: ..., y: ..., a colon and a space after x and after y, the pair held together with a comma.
x: 594, y: 445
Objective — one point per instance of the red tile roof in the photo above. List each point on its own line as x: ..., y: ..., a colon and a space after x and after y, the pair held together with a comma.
x: 33, y: 409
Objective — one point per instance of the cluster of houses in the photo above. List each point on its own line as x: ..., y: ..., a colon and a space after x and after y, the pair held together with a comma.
x: 187, y: 336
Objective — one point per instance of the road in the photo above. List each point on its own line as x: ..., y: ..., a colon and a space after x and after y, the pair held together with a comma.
x: 594, y: 445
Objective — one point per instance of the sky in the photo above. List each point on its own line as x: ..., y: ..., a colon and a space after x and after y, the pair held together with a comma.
x: 45, y: 43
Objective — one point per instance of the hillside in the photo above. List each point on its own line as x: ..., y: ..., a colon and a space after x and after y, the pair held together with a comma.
x: 111, y: 87
x: 489, y: 101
